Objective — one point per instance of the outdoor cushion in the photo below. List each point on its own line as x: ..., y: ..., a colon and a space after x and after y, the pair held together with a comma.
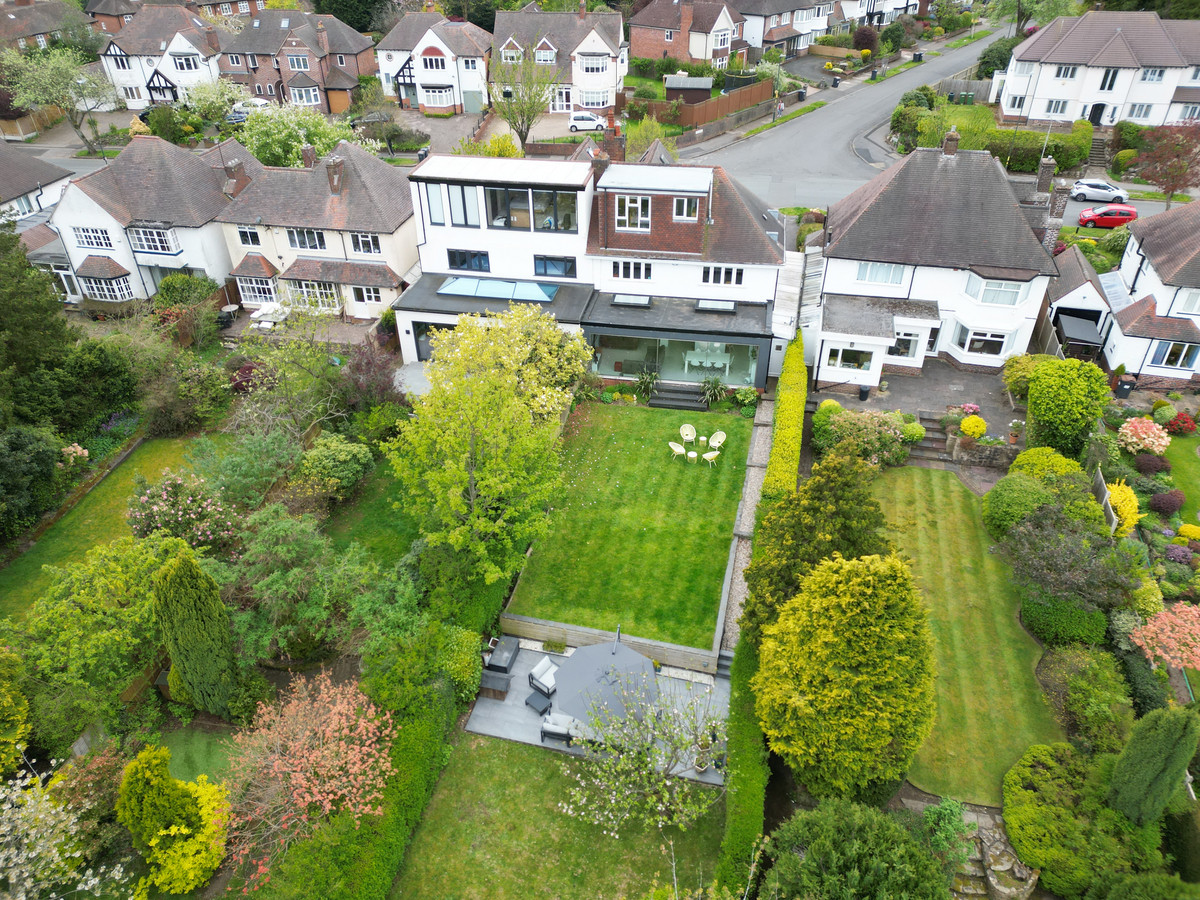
x: 542, y: 676
x: 557, y: 726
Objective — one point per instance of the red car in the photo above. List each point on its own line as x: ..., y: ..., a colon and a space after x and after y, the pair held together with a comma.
x: 1114, y: 215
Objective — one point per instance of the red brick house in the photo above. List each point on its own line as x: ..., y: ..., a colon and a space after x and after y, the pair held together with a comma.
x: 25, y: 25
x: 113, y: 15
x: 298, y: 57
x: 690, y: 31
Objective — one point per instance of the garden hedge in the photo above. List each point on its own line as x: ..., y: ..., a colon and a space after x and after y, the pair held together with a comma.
x: 791, y: 394
x: 342, y: 862
x: 1022, y: 150
x: 746, y: 773
x: 1059, y: 622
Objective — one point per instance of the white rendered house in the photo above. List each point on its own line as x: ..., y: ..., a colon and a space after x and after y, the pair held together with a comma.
x: 432, y: 64
x: 162, y: 52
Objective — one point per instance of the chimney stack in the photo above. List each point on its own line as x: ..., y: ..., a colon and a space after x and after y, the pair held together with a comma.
x: 950, y: 144
x: 429, y: 6
x: 308, y: 156
x: 599, y: 163
x: 235, y: 178
x: 1054, y: 216
x: 210, y: 38
x: 582, y: 9
x: 335, y: 168
x: 685, y: 18
x: 322, y: 37
x: 1045, y: 174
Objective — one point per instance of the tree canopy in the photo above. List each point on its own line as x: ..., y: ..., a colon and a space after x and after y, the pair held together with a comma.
x: 1066, y: 397
x: 54, y: 78
x: 1171, y: 159
x: 276, y: 134
x: 521, y: 92
x: 845, y: 727
x: 1152, y: 767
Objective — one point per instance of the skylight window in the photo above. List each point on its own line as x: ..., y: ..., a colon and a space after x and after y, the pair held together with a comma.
x: 283, y: 23
x: 722, y: 306
x: 630, y: 300
x: 495, y: 289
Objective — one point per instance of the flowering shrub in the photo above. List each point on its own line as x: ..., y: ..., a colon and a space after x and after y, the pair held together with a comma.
x: 1173, y: 635
x: 877, y: 437
x: 970, y: 409
x: 1167, y: 503
x: 1178, y: 553
x: 73, y: 455
x: 1125, y: 504
x: 1191, y: 532
x: 973, y: 426
x: 1182, y: 423
x: 1142, y: 435
x: 183, y: 507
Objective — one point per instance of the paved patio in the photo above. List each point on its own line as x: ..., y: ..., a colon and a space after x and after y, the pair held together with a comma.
x: 512, y: 720
x: 334, y: 330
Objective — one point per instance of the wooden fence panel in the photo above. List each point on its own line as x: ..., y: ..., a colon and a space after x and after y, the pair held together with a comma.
x: 693, y: 115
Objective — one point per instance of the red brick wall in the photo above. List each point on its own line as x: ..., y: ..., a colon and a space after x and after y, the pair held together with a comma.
x: 665, y: 233
x: 649, y: 43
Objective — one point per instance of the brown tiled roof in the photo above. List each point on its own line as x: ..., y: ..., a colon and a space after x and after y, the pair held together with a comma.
x: 1128, y: 40
x: 780, y: 33
x: 665, y: 14
x: 1186, y: 35
x: 38, y: 236
x: 340, y: 271
x: 255, y: 265
x: 100, y: 267
x: 127, y: 7
x: 1140, y: 320
x: 269, y: 35
x: 153, y: 27
x: 655, y: 155
x: 1171, y: 241
x: 529, y: 26
x: 153, y: 180
x: 1186, y: 95
x: 771, y: 7
x: 375, y: 197
x: 972, y: 219
x: 409, y: 30
x: 22, y: 172
x: 301, y: 80
x: 44, y: 17
x: 1074, y: 271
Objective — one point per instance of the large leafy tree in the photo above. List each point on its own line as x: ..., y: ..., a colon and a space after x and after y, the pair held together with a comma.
x: 276, y: 134
x: 1152, y: 767
x: 1066, y: 397
x: 1025, y: 11
x: 358, y: 14
x: 842, y: 849
x: 56, y: 78
x: 832, y: 512
x: 1171, y: 160
x: 195, y: 627
x: 521, y: 92
x: 30, y: 458
x: 844, y: 690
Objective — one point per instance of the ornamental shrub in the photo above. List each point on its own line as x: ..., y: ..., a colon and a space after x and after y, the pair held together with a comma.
x: 1066, y: 397
x: 1147, y: 685
x: 1012, y: 499
x: 1017, y: 370
x: 873, y: 436
x: 1089, y: 696
x: 1159, y: 404
x: 1147, y: 599
x: 791, y: 394
x: 182, y: 506
x: 973, y: 427
x: 460, y: 660
x: 1058, y: 622
x: 1149, y: 464
x: 1163, y: 414
x: 822, y: 436
x: 1177, y: 554
x: 1182, y: 423
x: 1041, y: 463
x: 1124, y: 503
x: 1143, y: 435
x: 334, y: 459
x: 1122, y: 160
x: 912, y: 432
x: 1189, y: 531
x: 1167, y: 503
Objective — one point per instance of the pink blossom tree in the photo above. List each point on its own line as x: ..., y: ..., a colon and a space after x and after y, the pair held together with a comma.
x: 324, y: 748
x: 1172, y: 635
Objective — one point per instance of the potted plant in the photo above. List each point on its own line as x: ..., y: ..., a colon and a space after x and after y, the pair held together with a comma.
x: 1015, y: 429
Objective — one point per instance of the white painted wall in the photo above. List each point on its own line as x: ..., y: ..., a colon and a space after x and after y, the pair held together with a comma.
x: 609, y: 81
x: 1042, y: 85
x: 38, y: 199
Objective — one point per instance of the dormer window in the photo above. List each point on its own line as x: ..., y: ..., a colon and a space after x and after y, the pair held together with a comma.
x: 187, y: 63
x: 510, y: 56
x: 595, y: 65
x: 544, y: 57
x: 686, y: 208
x: 633, y: 213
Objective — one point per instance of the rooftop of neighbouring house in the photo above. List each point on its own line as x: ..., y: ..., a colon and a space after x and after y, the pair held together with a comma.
x: 1171, y: 241
x: 1112, y: 39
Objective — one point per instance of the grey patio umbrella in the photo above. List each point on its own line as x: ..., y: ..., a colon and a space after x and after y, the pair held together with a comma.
x: 603, y: 675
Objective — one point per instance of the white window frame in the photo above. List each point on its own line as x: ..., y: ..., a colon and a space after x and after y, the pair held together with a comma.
x: 774, y: 21
x: 316, y: 294
x: 119, y: 62
x: 1190, y: 111
x: 670, y: 36
x: 631, y: 270
x: 439, y: 96
x: 1196, y: 73
x: 633, y: 212
x: 187, y: 63
x: 835, y: 359
x: 1140, y: 110
x: 470, y: 64
x: 993, y: 292
x: 509, y: 55
x: 252, y: 60
x: 306, y: 239
x: 258, y: 90
x: 243, y: 7
x: 271, y: 89
x: 786, y: 17
x: 880, y: 273
x: 341, y: 60
x: 131, y: 93
x: 1109, y: 77
x: 687, y: 209
x: 257, y: 290
x: 225, y: 9
x: 1189, y: 301
x: 1017, y: 102
x: 594, y: 65
x: 305, y: 96
x: 1056, y: 107
x: 92, y: 238
x: 41, y: 41
x: 544, y: 57
x: 235, y: 60
x: 114, y: 289
x: 248, y: 236
x: 725, y: 276
x: 297, y: 62
x: 721, y: 40
x: 153, y: 240
x: 363, y: 294
x: 433, y: 63
x: 1023, y: 69
x: 1153, y: 75
x: 24, y: 205
x: 915, y: 344
x: 964, y: 337
x: 1185, y: 355
x: 365, y: 242
x: 593, y: 99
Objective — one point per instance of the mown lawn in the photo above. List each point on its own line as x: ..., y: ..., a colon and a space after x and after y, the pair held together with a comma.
x: 371, y: 518
x: 1185, y: 468
x: 494, y: 830
x: 638, y: 539
x: 197, y: 751
x: 989, y: 704
x: 97, y: 519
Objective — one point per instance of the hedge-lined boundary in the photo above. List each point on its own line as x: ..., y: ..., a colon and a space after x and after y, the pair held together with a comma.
x: 341, y: 862
x: 746, y: 773
x: 783, y: 467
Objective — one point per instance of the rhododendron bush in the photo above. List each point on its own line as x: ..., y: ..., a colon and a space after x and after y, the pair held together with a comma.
x: 182, y: 506
x: 324, y: 748
x: 1172, y: 636
x: 1143, y: 436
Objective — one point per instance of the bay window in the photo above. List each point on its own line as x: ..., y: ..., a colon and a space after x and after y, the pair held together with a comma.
x: 995, y: 293
x: 985, y: 342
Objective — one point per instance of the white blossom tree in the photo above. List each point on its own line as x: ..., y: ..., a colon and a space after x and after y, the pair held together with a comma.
x: 56, y: 78
x: 275, y: 135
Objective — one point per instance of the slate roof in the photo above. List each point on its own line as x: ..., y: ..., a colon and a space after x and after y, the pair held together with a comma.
x: 153, y: 27
x: 40, y: 18
x: 155, y: 181
x: 1139, y: 320
x: 375, y: 197
x: 339, y: 80
x: 21, y: 173
x: 1171, y: 241
x: 1186, y: 35
x: 529, y: 26
x: 655, y: 155
x: 971, y: 220
x: 100, y: 267
x: 340, y: 271
x: 1074, y: 271
x: 268, y: 37
x: 1128, y: 40
x: 301, y: 80
x: 1186, y: 95
x: 410, y: 29
x: 665, y: 14
x: 255, y: 265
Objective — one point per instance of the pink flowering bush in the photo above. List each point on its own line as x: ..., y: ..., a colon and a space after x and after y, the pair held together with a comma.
x: 1142, y: 435
x: 1172, y: 636
x: 182, y: 506
x: 324, y: 748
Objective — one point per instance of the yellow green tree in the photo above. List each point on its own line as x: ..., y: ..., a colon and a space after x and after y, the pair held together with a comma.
x: 844, y: 690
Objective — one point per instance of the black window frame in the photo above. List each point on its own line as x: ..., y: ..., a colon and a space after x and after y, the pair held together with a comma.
x: 467, y: 260
x: 570, y: 266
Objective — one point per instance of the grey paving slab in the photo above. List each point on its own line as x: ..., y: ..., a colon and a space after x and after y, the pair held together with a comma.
x: 765, y: 415
x: 737, y: 594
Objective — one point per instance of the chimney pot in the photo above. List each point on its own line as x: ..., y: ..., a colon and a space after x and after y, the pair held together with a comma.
x: 308, y: 156
x: 583, y: 9
x: 428, y: 6
x: 335, y: 168
x: 950, y: 144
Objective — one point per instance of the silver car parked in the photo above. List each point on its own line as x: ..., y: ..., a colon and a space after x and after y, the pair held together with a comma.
x: 1085, y: 189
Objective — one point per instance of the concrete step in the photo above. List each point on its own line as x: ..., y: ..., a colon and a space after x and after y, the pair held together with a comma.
x: 931, y: 444
x: 724, y: 661
x: 678, y: 403
x: 678, y: 396
x: 922, y: 463
x: 919, y: 452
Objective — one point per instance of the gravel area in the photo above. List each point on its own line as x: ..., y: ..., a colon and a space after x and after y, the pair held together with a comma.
x: 737, y: 594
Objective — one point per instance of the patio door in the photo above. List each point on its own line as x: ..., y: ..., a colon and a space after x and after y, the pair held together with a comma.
x: 562, y: 100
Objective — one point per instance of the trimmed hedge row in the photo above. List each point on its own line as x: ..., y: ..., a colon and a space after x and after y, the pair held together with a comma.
x: 1058, y: 622
x: 746, y: 773
x: 1022, y: 150
x: 783, y: 468
x: 341, y: 862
